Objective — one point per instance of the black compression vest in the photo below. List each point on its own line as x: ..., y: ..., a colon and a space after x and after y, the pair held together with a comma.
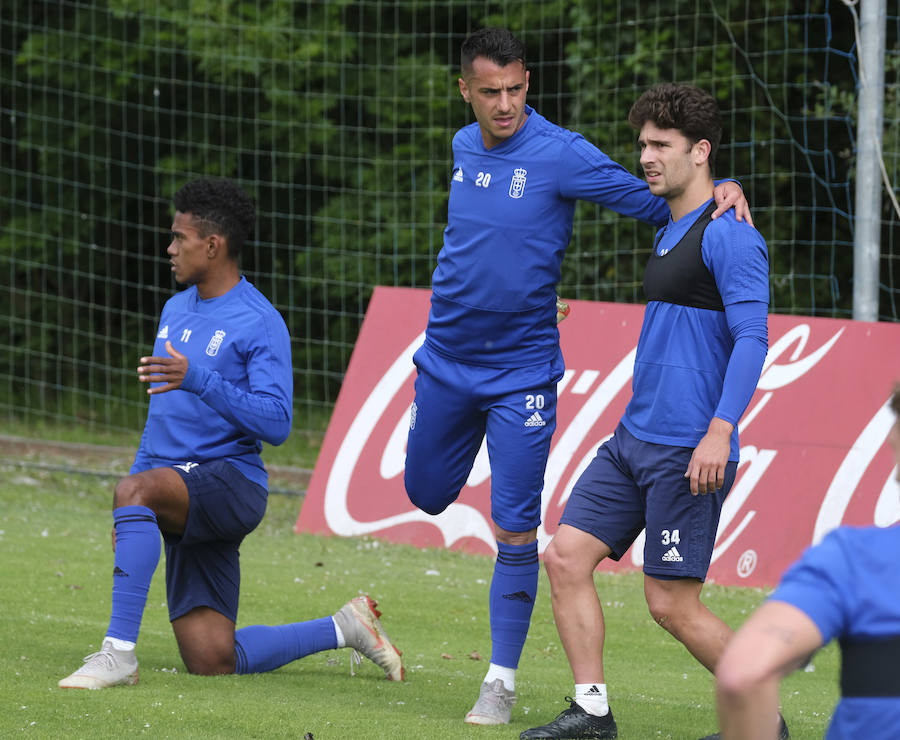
x: 680, y: 276
x: 870, y: 668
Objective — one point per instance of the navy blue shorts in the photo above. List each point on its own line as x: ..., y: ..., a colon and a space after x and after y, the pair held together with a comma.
x: 456, y: 406
x: 631, y: 485
x: 202, y: 565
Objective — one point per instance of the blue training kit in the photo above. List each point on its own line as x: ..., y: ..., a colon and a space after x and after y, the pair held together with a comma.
x: 509, y: 223
x: 491, y: 357
x: 203, y: 562
x: 134, y: 562
x: 695, y: 363
x: 493, y: 301
x: 457, y: 406
x: 632, y: 485
x: 702, y: 345
x: 848, y: 586
x: 238, y: 389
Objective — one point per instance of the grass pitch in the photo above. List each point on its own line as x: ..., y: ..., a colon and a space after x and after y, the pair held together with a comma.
x: 54, y: 609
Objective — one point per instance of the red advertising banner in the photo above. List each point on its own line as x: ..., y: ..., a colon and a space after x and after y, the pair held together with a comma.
x: 813, y: 439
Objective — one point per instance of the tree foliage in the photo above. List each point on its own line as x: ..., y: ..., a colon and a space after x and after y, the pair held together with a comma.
x: 338, y: 117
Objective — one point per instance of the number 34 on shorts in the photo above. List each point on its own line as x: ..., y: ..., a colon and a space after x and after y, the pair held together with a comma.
x: 670, y: 537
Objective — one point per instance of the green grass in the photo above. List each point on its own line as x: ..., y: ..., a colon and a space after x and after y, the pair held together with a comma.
x: 72, y: 416
x: 54, y: 607
x: 54, y: 431
x: 299, y: 450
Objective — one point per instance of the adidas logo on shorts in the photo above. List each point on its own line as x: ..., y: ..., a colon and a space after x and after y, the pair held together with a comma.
x: 535, y: 420
x: 672, y: 556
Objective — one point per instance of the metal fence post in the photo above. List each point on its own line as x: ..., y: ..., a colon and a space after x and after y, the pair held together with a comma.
x: 867, y: 231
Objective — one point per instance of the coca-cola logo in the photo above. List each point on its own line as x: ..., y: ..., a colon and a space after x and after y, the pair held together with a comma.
x: 813, y: 451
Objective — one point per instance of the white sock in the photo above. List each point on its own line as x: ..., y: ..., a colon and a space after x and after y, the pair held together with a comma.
x: 591, y: 697
x: 507, y: 675
x: 338, y: 634
x: 120, y: 645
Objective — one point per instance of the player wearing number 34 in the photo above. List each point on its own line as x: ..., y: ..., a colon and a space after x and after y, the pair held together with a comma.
x: 673, y: 456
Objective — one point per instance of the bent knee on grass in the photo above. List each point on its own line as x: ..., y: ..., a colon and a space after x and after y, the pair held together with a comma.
x: 200, y: 662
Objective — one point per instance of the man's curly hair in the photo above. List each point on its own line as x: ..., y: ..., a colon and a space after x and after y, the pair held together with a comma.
x: 694, y: 112
x: 220, y: 207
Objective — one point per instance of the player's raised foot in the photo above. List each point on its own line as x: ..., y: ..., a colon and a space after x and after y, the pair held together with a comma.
x: 107, y: 667
x: 358, y: 620
x: 783, y: 733
x: 575, y: 723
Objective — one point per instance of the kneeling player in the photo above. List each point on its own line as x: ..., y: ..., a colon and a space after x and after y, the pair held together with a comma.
x: 220, y: 380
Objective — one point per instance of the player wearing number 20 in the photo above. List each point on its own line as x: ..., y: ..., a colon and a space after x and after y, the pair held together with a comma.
x: 491, y: 357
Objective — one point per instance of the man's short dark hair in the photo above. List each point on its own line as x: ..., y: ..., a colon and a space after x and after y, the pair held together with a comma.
x: 895, y: 401
x: 220, y: 207
x: 497, y: 44
x: 694, y: 112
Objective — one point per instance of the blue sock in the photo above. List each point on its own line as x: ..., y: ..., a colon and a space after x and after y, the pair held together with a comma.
x: 136, y: 558
x: 259, y: 649
x: 513, y: 590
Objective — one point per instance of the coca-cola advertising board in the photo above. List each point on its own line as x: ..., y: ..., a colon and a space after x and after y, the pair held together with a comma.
x: 814, y: 450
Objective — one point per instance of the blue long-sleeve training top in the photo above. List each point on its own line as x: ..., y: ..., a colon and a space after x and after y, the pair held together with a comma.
x: 238, y: 390
x: 695, y: 363
x: 509, y: 223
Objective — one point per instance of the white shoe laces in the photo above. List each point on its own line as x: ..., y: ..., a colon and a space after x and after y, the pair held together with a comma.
x: 355, y: 661
x: 101, y: 659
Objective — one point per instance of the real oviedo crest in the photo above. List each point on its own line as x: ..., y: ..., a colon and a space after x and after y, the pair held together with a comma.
x: 212, y: 349
x: 517, y: 186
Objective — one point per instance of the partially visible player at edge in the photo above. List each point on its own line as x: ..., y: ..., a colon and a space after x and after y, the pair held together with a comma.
x: 491, y: 357
x: 220, y: 380
x: 673, y: 457
x: 846, y: 588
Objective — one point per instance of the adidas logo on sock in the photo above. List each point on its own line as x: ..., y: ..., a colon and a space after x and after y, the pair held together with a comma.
x: 592, y: 690
x: 518, y: 596
x: 672, y: 556
x: 535, y: 420
x: 117, y: 571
